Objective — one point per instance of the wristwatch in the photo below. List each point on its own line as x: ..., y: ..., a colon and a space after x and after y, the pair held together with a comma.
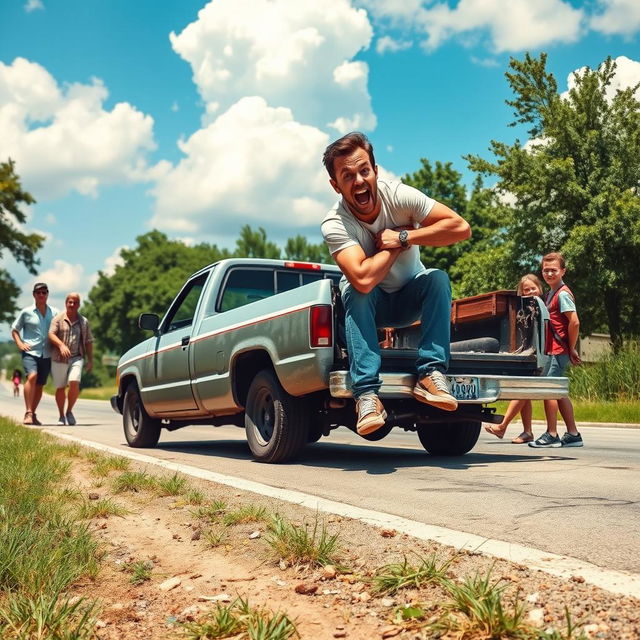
x: 403, y: 237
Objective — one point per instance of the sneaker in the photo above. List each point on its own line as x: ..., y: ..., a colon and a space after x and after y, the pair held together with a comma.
x: 571, y: 440
x: 61, y: 421
x: 434, y: 389
x: 34, y: 420
x: 371, y: 414
x: 70, y: 419
x: 28, y: 418
x: 546, y: 440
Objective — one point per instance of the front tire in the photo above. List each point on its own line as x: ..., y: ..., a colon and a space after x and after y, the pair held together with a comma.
x: 277, y: 424
x: 450, y: 439
x: 139, y: 429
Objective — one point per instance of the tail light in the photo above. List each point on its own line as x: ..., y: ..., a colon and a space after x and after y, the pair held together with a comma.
x: 321, y: 325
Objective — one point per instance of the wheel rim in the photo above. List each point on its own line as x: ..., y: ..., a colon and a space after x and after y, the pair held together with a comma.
x: 265, y: 416
x: 134, y: 412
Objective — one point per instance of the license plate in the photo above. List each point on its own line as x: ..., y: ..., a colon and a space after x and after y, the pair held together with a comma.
x: 464, y: 388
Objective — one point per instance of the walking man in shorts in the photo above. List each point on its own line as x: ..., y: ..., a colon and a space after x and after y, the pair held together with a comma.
x: 30, y: 333
x: 71, y: 341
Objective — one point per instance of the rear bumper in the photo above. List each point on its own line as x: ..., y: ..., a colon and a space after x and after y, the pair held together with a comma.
x: 490, y: 388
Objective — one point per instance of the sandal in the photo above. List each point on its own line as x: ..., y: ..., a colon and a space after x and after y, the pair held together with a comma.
x: 523, y: 438
x: 494, y: 431
x: 28, y: 418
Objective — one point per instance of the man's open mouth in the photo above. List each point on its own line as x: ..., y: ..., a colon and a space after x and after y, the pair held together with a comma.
x: 362, y: 197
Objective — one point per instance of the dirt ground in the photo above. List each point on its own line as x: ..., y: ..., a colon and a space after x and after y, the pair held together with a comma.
x: 189, y: 577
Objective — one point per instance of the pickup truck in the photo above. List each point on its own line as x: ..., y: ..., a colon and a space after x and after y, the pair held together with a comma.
x: 260, y: 344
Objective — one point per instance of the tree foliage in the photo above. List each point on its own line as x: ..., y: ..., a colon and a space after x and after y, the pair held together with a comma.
x: 575, y: 188
x: 22, y: 246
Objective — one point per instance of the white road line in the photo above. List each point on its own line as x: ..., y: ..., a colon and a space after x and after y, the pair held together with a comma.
x: 620, y: 582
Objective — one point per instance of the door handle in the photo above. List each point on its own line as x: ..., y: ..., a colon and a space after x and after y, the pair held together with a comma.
x: 185, y: 342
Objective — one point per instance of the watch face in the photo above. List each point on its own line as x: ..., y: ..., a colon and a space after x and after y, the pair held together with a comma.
x: 403, y: 237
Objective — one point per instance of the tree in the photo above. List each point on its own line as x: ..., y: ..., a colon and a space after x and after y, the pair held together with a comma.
x: 298, y: 248
x: 23, y: 246
x: 254, y: 244
x: 575, y: 187
x: 444, y: 184
x: 151, y: 275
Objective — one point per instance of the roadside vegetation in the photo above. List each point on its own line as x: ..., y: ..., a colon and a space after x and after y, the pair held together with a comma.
x: 46, y: 547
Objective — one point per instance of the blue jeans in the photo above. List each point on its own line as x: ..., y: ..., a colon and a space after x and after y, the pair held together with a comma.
x: 426, y: 298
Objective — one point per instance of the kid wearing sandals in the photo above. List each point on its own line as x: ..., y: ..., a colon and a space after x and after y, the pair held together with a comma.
x: 529, y: 285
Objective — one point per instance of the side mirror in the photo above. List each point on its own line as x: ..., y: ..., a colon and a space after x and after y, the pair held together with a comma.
x: 149, y: 321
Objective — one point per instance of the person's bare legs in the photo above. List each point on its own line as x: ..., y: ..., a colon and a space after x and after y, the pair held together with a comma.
x: 527, y: 418
x: 29, y: 392
x: 566, y: 411
x: 60, y: 398
x: 74, y: 392
x: 512, y: 411
x: 551, y: 413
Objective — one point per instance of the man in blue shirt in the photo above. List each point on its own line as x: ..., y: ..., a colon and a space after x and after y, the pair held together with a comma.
x: 30, y: 332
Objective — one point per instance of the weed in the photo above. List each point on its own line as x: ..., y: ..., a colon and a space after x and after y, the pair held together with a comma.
x: 194, y: 497
x: 214, y: 538
x: 240, y: 620
x: 170, y: 485
x: 296, y: 545
x: 47, y: 616
x: 480, y: 601
x: 102, y: 508
x: 557, y: 635
x: 212, y: 511
x: 401, y: 575
x: 140, y: 571
x: 248, y: 513
x: 105, y: 464
x: 133, y: 481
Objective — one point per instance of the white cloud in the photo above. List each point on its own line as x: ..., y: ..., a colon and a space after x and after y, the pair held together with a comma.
x: 617, y: 17
x: 33, y: 5
x: 389, y: 44
x: 253, y: 164
x: 627, y: 75
x: 511, y: 25
x: 113, y: 261
x: 288, y: 52
x: 63, y: 139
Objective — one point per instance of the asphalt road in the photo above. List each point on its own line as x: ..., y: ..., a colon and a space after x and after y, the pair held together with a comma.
x: 582, y: 503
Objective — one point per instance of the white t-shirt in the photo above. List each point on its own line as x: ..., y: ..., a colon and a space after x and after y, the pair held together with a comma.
x: 401, y: 205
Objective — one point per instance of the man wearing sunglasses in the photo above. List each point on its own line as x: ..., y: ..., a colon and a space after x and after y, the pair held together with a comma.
x: 30, y: 332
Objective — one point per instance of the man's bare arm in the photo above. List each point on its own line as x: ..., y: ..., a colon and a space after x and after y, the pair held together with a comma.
x: 573, y: 330
x: 441, y: 228
x: 23, y: 346
x: 365, y: 273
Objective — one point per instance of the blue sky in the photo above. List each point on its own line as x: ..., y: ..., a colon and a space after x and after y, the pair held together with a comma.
x: 197, y: 117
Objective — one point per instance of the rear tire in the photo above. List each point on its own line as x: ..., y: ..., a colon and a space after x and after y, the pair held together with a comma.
x: 277, y: 424
x: 139, y: 429
x: 450, y: 439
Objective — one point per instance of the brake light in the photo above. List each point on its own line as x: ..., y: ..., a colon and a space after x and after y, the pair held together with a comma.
x: 321, y: 325
x: 302, y: 265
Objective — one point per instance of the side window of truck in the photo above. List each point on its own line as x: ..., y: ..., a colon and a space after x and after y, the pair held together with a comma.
x: 184, y: 307
x: 244, y: 286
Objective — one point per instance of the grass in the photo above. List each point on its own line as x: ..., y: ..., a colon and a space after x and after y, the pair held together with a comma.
x: 102, y: 508
x: 302, y: 545
x: 103, y: 465
x: 174, y: 485
x: 140, y: 571
x: 247, y: 513
x: 390, y: 578
x: 587, y: 411
x: 133, y: 481
x: 43, y: 549
x: 212, y: 511
x: 214, y: 537
x: 240, y: 620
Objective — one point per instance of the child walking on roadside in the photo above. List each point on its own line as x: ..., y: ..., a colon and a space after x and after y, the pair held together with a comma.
x: 529, y: 285
x: 561, y: 339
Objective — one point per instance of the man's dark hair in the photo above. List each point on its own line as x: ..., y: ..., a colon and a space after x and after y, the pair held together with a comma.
x: 345, y: 146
